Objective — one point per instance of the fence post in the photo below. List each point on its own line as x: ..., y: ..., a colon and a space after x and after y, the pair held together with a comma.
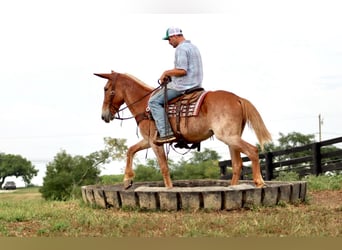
x: 269, y: 166
x: 223, y: 168
x: 316, y: 159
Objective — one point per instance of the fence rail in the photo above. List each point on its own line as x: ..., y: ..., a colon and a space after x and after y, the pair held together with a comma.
x: 308, y: 159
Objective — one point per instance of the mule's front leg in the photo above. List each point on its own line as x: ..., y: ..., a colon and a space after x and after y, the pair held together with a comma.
x: 129, y: 173
x: 162, y: 161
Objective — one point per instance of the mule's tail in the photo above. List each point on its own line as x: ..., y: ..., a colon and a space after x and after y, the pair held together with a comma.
x: 254, y: 120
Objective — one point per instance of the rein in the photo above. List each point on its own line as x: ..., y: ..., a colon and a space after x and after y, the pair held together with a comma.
x: 117, y: 115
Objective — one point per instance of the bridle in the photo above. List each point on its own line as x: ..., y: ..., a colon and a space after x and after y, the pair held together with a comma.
x: 118, y: 110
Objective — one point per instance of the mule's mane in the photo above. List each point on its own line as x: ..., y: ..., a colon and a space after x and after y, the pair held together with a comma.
x: 138, y: 80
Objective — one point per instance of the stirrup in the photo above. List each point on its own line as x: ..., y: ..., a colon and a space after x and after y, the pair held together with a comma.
x: 183, y: 144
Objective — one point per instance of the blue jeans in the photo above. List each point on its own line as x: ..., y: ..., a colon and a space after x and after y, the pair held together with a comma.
x: 156, y: 104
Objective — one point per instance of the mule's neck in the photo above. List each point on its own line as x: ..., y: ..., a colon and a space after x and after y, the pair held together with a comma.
x: 136, y: 94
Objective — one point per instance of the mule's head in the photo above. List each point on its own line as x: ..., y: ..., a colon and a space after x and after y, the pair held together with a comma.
x: 112, y: 96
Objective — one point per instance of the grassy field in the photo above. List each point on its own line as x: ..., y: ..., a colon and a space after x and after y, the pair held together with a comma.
x: 24, y: 213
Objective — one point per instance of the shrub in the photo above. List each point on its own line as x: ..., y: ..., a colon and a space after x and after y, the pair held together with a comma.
x: 287, y: 176
x: 324, y: 182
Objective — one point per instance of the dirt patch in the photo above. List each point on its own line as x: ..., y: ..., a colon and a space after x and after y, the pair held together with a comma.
x: 331, y: 199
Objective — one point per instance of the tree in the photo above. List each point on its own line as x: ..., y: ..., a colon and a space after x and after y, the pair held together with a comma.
x: 111, y: 179
x: 295, y: 139
x: 16, y: 165
x: 206, y: 155
x: 149, y: 172
x: 291, y: 140
x: 115, y: 149
x: 202, y: 165
x: 66, y: 174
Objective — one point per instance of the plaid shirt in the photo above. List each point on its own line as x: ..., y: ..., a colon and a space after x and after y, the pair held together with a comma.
x: 187, y: 57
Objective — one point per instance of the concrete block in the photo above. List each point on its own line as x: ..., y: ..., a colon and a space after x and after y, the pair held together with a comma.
x: 252, y: 197
x: 285, y: 193
x: 168, y: 201
x: 99, y: 198
x: 128, y: 199
x: 212, y: 200
x: 112, y: 198
x: 270, y: 195
x: 233, y: 199
x: 148, y: 200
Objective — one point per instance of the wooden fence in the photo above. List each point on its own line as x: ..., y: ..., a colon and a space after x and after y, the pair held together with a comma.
x: 309, y: 159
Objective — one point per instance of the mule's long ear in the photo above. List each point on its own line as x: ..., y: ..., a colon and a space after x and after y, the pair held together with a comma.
x: 107, y: 76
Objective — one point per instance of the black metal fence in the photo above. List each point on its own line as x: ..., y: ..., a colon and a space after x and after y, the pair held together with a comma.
x: 316, y: 158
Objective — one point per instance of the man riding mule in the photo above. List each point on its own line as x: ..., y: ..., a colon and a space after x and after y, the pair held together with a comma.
x: 220, y: 113
x: 187, y: 74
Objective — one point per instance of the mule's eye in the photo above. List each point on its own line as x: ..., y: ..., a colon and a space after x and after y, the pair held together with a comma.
x: 105, y: 88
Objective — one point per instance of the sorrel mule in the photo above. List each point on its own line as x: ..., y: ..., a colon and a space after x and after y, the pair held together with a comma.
x: 222, y: 114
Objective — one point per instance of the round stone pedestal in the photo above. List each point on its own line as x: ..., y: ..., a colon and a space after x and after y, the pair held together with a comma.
x: 194, y: 195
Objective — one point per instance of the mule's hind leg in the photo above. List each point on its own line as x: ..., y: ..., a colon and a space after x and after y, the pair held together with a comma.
x: 239, y: 145
x: 236, y: 165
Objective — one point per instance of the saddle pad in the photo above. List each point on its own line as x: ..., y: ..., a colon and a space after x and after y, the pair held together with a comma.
x: 187, y: 106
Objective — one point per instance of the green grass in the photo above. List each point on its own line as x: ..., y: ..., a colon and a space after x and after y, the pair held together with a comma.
x: 315, y: 183
x: 31, y: 193
x: 24, y: 213
x: 324, y: 182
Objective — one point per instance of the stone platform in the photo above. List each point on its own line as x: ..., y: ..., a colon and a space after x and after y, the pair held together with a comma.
x: 194, y: 195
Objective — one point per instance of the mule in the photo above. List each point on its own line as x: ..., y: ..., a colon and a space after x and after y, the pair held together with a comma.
x: 221, y: 113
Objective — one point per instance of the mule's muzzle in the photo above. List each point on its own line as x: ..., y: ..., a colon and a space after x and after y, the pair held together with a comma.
x: 107, y: 116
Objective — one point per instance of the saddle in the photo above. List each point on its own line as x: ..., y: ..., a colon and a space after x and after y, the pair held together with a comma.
x: 186, y: 105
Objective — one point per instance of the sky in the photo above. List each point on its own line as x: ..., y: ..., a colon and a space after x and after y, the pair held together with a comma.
x: 283, y: 56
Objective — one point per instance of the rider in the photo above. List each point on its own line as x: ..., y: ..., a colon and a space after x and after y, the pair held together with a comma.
x: 186, y: 74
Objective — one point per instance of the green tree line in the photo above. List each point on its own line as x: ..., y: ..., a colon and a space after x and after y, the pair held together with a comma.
x: 65, y: 174
x: 200, y: 165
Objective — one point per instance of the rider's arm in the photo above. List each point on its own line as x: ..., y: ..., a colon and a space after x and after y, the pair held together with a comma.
x: 172, y: 72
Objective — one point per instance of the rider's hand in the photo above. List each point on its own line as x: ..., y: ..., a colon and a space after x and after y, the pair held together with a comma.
x: 164, y: 79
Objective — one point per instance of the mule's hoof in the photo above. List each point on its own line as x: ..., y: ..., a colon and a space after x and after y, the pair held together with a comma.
x: 260, y: 185
x: 128, y: 184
